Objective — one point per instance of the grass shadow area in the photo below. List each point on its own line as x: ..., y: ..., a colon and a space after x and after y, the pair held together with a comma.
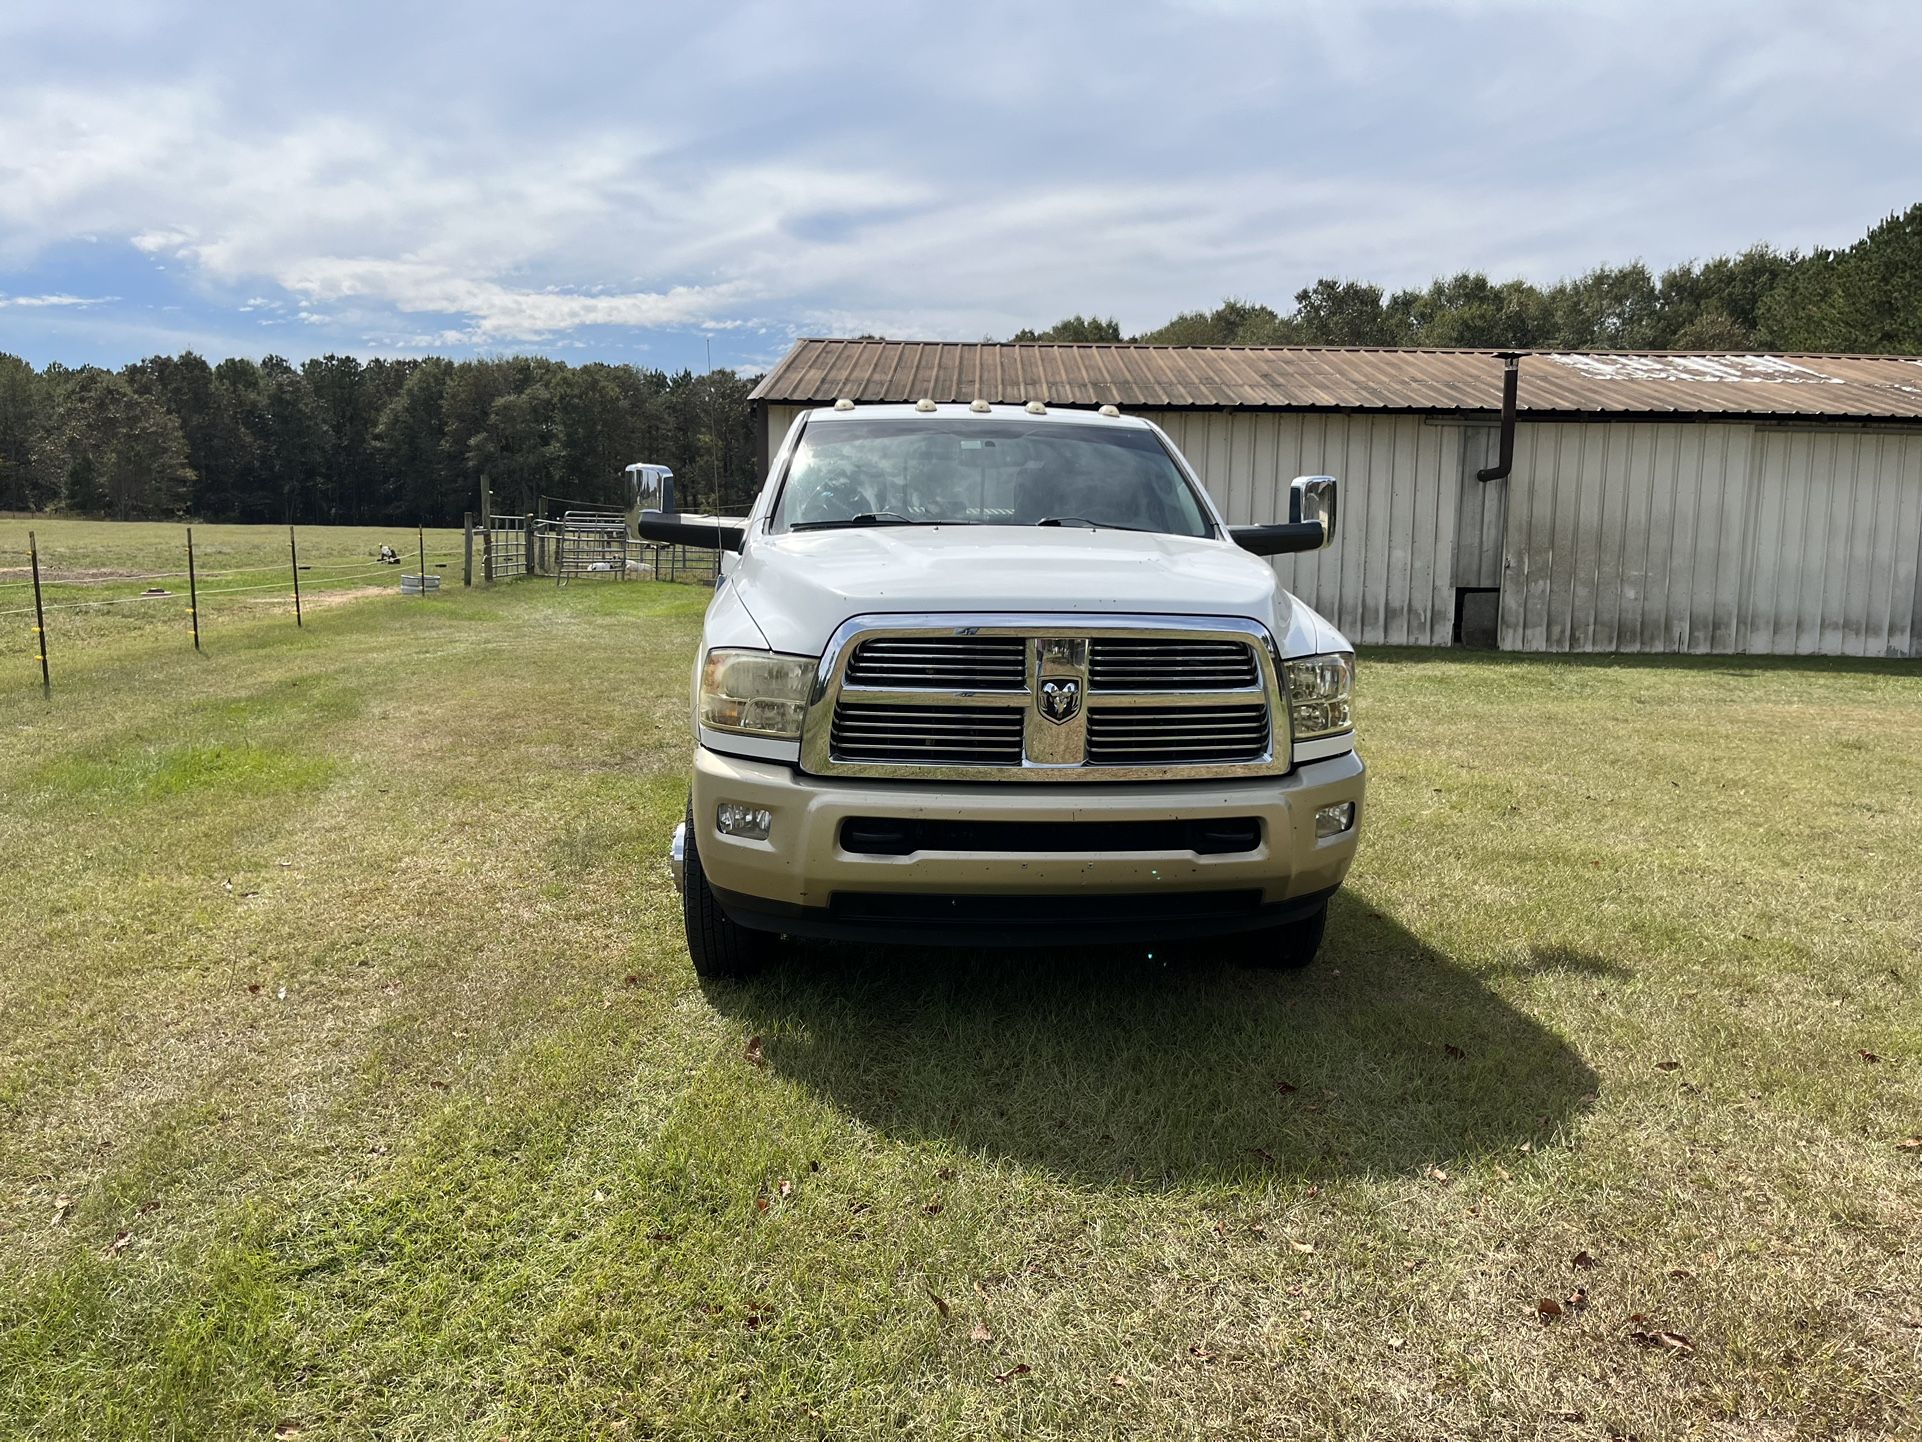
x: 1130, y: 1068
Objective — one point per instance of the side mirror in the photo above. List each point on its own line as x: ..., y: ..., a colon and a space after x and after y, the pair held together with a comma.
x: 671, y: 529
x: 1310, y: 525
x: 1312, y: 498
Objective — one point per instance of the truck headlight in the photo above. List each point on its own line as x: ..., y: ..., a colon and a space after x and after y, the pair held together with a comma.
x: 1321, y: 693
x: 755, y: 693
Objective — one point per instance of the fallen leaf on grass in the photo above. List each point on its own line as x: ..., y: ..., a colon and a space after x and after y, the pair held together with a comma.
x: 753, y: 1052
x: 761, y: 1204
x: 1303, y: 1246
x: 1436, y: 1174
x: 1395, y: 1344
x: 118, y: 1245
x: 980, y: 1333
x: 1668, y: 1066
x: 286, y: 1431
x: 1912, y: 1322
x: 932, y: 1206
x: 1681, y: 1274
x: 786, y: 1188
x: 1673, y: 1341
x: 1019, y: 1369
x: 1868, y: 1056
x: 62, y: 1204
x: 1569, y: 1414
x: 1548, y: 1309
x: 1285, y: 1087
x: 253, y: 988
x: 940, y: 1305
x: 1909, y: 1144
x: 945, y: 1174
x: 1582, y: 1261
x: 1577, y: 1299
x: 1200, y: 1353
x: 1453, y: 1052
x: 630, y: 980
x: 1117, y: 1380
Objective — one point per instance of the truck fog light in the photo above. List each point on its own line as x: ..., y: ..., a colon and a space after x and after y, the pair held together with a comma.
x: 1333, y: 820
x: 751, y: 823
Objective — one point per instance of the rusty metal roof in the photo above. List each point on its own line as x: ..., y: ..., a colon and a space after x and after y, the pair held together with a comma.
x: 1169, y: 377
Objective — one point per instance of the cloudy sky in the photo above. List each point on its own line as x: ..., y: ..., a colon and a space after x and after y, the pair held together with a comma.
x: 644, y: 182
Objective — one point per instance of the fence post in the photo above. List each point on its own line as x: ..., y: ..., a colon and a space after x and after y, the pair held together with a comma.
x: 527, y: 554
x: 193, y: 589
x: 39, y: 618
x: 293, y: 554
x: 420, y: 536
x: 467, y: 550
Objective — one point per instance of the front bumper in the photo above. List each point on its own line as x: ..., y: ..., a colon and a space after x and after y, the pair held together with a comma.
x: 803, y: 879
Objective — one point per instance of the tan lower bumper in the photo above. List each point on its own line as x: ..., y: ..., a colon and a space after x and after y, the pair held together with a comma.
x: 802, y: 863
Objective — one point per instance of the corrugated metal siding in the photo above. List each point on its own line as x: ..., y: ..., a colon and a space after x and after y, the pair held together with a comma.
x: 1388, y: 578
x: 1145, y: 377
x: 1712, y: 539
x: 1478, y: 518
x: 778, y: 419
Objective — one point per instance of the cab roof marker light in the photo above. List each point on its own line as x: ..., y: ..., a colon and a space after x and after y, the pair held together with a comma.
x: 844, y: 404
x: 980, y: 408
x: 1111, y: 410
x: 924, y: 405
x: 1035, y: 408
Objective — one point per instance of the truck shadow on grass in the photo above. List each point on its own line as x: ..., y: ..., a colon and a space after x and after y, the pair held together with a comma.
x: 1129, y: 1068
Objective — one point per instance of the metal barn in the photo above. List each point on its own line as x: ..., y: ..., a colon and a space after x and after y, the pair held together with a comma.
x: 1661, y: 502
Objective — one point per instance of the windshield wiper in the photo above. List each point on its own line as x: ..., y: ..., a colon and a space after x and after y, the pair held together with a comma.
x: 1084, y: 521
x: 865, y: 518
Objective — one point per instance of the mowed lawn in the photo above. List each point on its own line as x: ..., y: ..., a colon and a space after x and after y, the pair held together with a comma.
x: 353, y: 1082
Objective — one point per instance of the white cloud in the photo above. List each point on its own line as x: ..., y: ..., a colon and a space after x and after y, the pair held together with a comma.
x: 61, y: 300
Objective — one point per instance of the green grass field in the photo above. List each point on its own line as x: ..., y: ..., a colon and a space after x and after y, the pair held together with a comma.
x: 353, y: 1082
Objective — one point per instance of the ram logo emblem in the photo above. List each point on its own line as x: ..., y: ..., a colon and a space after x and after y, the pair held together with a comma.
x: 1060, y: 699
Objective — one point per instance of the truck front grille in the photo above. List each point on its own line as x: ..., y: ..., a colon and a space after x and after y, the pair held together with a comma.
x: 1046, y: 698
x: 941, y: 663
x: 1146, y: 663
x: 928, y: 735
x: 1176, y: 735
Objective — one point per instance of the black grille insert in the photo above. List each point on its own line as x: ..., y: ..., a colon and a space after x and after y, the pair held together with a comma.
x: 888, y: 836
x: 927, y: 735
x: 940, y: 663
x: 1158, y: 663
x: 1160, y: 735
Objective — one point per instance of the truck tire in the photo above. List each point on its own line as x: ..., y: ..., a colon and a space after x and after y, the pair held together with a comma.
x: 1288, y: 947
x: 720, y: 949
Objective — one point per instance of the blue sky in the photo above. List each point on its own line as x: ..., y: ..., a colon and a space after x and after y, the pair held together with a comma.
x: 645, y: 182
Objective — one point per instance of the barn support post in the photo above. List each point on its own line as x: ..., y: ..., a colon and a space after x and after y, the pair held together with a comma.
x: 467, y: 550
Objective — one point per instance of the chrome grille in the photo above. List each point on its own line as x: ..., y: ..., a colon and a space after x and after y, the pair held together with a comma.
x: 1154, y: 663
x: 1057, y: 697
x: 941, y: 663
x: 1176, y: 735
x: 928, y: 735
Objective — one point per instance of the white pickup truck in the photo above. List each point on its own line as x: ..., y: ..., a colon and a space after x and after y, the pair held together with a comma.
x: 992, y: 675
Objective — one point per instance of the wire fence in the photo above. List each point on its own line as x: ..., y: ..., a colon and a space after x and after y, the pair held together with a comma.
x: 57, y: 603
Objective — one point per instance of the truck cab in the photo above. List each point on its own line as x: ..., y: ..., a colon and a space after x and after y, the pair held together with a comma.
x: 1002, y: 675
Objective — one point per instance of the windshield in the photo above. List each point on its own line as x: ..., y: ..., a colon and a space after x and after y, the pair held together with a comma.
x: 973, y: 470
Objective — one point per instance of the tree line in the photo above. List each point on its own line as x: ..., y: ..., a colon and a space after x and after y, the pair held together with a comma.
x: 1865, y: 298
x: 338, y: 440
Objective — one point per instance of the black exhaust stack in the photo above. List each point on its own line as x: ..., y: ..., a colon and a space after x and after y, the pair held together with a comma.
x: 1511, y: 384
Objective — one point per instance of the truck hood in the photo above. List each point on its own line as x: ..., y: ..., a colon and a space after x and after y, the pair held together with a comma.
x: 800, y: 587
